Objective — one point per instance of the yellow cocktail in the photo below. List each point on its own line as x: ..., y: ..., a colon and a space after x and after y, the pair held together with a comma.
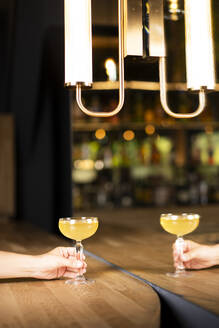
x: 78, y: 229
x: 179, y: 225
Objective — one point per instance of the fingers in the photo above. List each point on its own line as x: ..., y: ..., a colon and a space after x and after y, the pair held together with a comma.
x: 80, y: 256
x: 176, y: 256
x: 82, y: 271
x: 67, y: 257
x: 188, y: 259
x: 71, y: 252
x: 189, y: 255
x: 76, y: 266
x: 188, y: 245
x: 71, y: 264
x: 73, y: 258
x: 188, y: 265
x: 73, y: 274
x: 70, y: 274
x: 67, y: 252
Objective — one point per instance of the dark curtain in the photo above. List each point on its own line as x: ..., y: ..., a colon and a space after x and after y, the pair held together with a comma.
x: 6, y: 35
x: 41, y: 108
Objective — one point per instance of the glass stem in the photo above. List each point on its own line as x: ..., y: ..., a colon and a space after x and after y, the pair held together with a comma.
x: 79, y: 250
x: 179, y: 248
x: 79, y: 254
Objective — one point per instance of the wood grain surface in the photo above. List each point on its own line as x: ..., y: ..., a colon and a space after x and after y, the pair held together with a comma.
x: 134, y: 240
x: 114, y: 300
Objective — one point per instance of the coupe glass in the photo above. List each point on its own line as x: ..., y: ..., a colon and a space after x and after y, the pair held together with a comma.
x: 78, y: 229
x: 179, y: 225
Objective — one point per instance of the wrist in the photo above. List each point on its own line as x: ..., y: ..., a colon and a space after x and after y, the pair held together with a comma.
x: 33, y: 271
x: 29, y: 266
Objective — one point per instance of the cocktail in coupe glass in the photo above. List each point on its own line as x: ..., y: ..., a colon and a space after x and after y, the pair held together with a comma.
x: 78, y: 229
x: 179, y: 225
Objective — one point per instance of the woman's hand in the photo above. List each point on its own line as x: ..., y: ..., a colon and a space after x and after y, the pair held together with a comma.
x: 197, y: 256
x: 60, y: 262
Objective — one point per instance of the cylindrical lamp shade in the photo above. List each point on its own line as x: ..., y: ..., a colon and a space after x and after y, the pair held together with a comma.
x: 199, y: 45
x: 78, y: 42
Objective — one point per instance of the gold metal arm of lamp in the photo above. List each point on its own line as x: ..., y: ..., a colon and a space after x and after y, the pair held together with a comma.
x: 121, y: 72
x: 163, y: 95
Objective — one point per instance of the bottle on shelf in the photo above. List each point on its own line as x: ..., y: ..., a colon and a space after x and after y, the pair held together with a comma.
x: 138, y: 108
x: 155, y: 154
x: 152, y: 168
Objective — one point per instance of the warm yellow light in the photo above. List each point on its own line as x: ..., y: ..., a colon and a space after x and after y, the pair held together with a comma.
x: 86, y: 164
x: 173, y: 6
x: 128, y: 135
x: 110, y: 67
x: 209, y: 129
x: 78, y: 42
x: 100, y: 134
x: 199, y: 45
x: 99, y: 165
x: 149, y: 129
x: 174, y: 9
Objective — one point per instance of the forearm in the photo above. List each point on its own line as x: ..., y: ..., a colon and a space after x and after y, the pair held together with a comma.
x: 215, y: 254
x: 14, y: 265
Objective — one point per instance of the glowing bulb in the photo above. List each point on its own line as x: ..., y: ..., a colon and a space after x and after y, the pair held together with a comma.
x: 100, y: 134
x: 78, y: 42
x: 110, y: 67
x: 174, y: 9
x: 199, y: 45
x: 85, y: 164
x: 99, y: 165
x: 128, y: 135
x: 149, y: 129
x: 209, y: 129
x: 173, y: 6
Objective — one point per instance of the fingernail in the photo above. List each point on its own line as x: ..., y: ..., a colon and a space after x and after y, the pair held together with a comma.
x: 78, y: 264
x: 184, y: 258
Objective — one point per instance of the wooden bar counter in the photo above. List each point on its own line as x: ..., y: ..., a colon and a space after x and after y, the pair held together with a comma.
x: 114, y: 300
x: 134, y: 240
x: 128, y: 257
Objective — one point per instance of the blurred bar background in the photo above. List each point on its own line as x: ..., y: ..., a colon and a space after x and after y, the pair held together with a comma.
x: 64, y: 161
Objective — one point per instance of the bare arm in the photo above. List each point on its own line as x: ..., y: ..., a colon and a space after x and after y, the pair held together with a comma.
x: 60, y: 262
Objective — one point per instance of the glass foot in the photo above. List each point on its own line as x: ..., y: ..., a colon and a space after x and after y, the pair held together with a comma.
x: 179, y: 274
x: 79, y: 281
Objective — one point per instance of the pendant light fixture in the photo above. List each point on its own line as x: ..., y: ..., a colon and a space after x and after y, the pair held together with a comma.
x: 141, y: 33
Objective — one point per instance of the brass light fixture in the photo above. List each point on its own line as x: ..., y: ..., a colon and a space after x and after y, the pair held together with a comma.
x: 78, y: 51
x: 199, y: 55
x: 174, y: 9
x: 134, y: 42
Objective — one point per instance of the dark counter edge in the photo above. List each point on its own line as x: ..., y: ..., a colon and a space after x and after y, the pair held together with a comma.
x: 176, y: 312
